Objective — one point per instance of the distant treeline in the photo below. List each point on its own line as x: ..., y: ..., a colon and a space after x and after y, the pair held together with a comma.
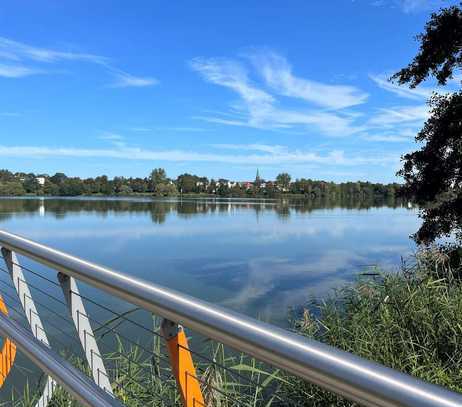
x: 158, y: 184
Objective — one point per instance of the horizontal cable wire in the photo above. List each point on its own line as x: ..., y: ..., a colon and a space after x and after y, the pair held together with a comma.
x: 233, y: 373
x: 68, y: 336
x: 208, y: 359
x: 21, y: 314
x: 200, y: 368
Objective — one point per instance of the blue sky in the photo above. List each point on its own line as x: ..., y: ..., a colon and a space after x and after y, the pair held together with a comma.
x: 213, y: 88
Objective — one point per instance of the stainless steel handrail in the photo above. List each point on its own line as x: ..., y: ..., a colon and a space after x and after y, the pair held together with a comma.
x: 355, y: 378
x: 73, y: 380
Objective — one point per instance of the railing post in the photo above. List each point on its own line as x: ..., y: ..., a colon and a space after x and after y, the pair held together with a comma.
x: 85, y: 331
x: 182, y: 364
x: 30, y: 310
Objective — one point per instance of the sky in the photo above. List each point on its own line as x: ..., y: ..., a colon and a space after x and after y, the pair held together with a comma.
x: 218, y: 89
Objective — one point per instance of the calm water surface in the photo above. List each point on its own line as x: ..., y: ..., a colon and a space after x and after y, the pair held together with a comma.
x: 257, y: 257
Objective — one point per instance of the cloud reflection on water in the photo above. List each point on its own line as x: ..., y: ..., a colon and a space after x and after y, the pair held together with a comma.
x: 258, y: 259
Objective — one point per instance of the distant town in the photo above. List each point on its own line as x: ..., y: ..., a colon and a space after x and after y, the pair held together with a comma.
x: 159, y: 184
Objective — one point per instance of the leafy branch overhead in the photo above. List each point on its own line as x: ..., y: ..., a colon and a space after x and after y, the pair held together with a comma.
x: 433, y: 174
x: 440, y: 53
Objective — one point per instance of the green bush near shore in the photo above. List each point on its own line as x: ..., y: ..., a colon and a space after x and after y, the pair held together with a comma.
x: 410, y: 321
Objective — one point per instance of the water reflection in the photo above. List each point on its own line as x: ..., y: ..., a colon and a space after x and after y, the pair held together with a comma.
x: 159, y: 209
x: 257, y: 256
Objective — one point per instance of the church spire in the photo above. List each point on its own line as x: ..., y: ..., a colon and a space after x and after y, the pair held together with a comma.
x: 257, y: 178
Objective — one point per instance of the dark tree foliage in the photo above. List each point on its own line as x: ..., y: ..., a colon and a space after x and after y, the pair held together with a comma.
x: 440, y: 52
x: 433, y: 174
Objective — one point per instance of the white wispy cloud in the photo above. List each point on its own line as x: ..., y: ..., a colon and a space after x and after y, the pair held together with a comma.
x: 174, y: 129
x: 418, y: 93
x: 181, y: 129
x: 124, y: 80
x: 398, y: 115
x: 409, y: 6
x: 18, y: 51
x: 398, y: 124
x: 111, y: 136
x: 227, y: 122
x: 186, y: 129
x: 258, y: 108
x: 327, y: 109
x: 140, y: 129
x: 412, y: 6
x: 277, y: 73
x: 114, y: 139
x: 330, y: 158
x: 274, y: 149
x: 405, y: 135
x: 18, y: 59
x: 17, y: 71
x: 232, y: 75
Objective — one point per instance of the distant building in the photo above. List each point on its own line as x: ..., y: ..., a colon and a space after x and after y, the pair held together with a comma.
x: 40, y: 181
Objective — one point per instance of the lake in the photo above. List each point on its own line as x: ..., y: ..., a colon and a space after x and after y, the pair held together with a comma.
x: 259, y: 257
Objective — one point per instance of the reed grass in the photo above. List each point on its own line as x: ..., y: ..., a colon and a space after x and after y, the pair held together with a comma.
x: 410, y: 321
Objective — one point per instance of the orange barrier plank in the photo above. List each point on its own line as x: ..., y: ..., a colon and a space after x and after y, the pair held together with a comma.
x: 8, y: 353
x: 184, y: 370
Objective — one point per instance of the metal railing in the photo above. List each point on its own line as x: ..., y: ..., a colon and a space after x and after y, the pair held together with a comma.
x: 82, y: 388
x: 340, y: 372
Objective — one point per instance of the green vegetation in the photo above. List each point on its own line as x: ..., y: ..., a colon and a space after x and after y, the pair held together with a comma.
x: 410, y: 321
x: 158, y: 184
x: 433, y: 174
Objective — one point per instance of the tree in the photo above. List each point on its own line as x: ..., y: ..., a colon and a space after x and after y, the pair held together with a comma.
x: 283, y: 181
x: 158, y: 176
x: 138, y: 184
x: 117, y: 184
x: 50, y: 188
x: 161, y: 185
x: 58, y: 178
x: 166, y: 189
x: 30, y: 184
x: 433, y: 174
x: 187, y: 183
x: 440, y: 51
x: 125, y: 190
x: 223, y: 187
x: 6, y: 176
x: 9, y: 188
x: 71, y: 187
x: 104, y: 185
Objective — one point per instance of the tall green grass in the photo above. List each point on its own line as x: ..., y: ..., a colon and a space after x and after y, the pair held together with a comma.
x: 410, y: 321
